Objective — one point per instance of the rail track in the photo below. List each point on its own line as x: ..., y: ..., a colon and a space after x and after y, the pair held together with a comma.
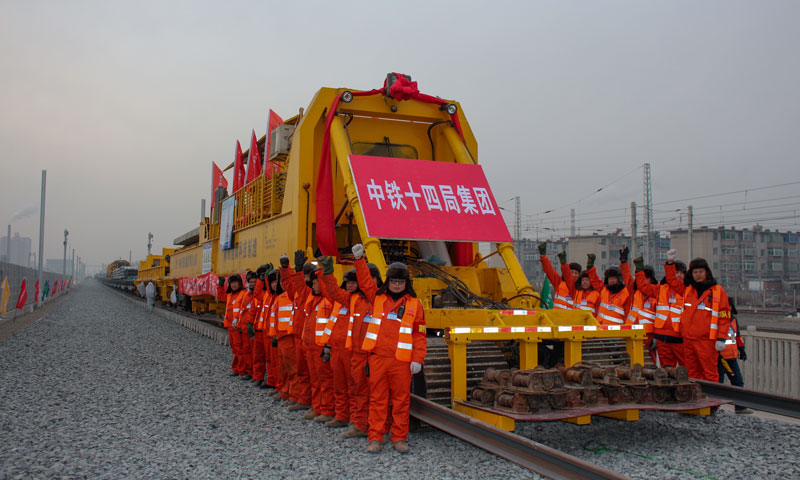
x: 524, y: 452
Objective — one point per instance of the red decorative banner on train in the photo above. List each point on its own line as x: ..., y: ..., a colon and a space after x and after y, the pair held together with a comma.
x: 424, y: 200
x: 200, y: 285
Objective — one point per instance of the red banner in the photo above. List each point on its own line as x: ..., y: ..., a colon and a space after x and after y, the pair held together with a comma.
x: 425, y: 200
x: 253, y: 160
x: 272, y: 123
x: 238, y: 168
x: 200, y: 285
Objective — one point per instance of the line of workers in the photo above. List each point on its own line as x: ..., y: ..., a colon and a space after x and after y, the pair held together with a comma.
x: 687, y: 315
x: 344, y: 354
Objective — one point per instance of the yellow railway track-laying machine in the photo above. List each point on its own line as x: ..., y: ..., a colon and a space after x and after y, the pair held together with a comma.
x: 486, y: 300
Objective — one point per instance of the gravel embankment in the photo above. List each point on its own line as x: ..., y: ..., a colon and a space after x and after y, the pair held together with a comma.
x: 668, y: 445
x: 99, y: 388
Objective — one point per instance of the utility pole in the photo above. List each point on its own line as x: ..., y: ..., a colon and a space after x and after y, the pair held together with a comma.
x: 64, y: 265
x: 633, y: 230
x: 572, y: 222
x: 130, y: 256
x: 690, y: 221
x: 41, y: 234
x: 648, y: 213
x: 8, y: 245
x: 149, y: 242
x: 517, y: 223
x: 72, y: 274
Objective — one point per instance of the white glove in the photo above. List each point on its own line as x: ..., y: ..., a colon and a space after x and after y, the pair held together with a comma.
x: 358, y: 251
x: 719, y: 345
x: 235, y: 322
x: 672, y: 254
x: 416, y: 367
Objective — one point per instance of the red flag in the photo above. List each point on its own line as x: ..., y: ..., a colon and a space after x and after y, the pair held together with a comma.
x: 238, y: 169
x: 217, y: 180
x: 253, y: 160
x: 272, y: 123
x: 36, y: 297
x: 23, y: 296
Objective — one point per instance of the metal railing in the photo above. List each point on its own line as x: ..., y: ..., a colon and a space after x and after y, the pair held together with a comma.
x: 773, y: 362
x: 259, y: 200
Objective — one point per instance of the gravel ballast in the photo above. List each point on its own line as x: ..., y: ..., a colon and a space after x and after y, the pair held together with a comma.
x: 101, y: 388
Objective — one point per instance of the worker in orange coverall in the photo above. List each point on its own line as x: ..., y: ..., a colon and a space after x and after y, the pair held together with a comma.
x: 233, y: 296
x: 270, y: 341
x: 615, y: 300
x: 347, y: 337
x: 667, y: 342
x: 643, y: 302
x: 396, y: 342
x: 706, y: 317
x: 282, y: 332
x: 250, y: 309
x: 562, y: 300
x: 257, y: 333
x: 299, y: 293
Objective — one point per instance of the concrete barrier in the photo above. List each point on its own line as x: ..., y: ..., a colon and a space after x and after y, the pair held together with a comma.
x: 219, y: 335
x: 773, y: 362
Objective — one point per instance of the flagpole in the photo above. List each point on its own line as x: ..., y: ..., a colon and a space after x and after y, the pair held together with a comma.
x: 40, y: 301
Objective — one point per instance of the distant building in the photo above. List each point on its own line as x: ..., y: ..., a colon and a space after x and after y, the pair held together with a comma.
x: 744, y: 259
x: 20, y: 250
x: 56, y: 265
x: 606, y: 250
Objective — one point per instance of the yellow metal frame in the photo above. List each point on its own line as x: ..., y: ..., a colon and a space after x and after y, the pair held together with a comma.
x: 571, y: 326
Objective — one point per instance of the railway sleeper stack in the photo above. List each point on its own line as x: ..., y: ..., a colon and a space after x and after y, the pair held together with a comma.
x: 584, y: 384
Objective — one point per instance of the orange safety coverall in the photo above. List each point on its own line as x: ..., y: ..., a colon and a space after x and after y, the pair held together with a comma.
x: 562, y: 293
x: 648, y: 306
x: 669, y: 343
x: 622, y: 298
x: 267, y: 334
x: 734, y: 341
x: 587, y: 300
x: 359, y: 308
x: 260, y: 321
x: 233, y: 307
x: 341, y: 357
x: 697, y: 330
x: 318, y: 309
x: 251, y: 307
x: 298, y: 292
x: 390, y: 378
x: 286, y: 351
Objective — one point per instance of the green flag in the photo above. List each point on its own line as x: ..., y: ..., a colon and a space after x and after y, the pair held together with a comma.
x: 547, y: 295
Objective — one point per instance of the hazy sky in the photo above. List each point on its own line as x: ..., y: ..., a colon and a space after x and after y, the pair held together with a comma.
x: 125, y: 104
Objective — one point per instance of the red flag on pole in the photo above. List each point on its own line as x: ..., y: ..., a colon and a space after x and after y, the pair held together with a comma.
x: 23, y: 296
x: 36, y: 297
x: 253, y: 160
x: 272, y: 123
x: 238, y: 168
x: 217, y: 180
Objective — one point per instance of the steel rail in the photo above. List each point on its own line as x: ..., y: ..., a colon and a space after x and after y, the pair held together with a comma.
x: 766, y: 402
x: 523, y: 451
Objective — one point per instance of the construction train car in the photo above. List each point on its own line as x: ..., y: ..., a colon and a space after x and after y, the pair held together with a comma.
x: 120, y: 274
x: 156, y: 268
x: 339, y: 171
